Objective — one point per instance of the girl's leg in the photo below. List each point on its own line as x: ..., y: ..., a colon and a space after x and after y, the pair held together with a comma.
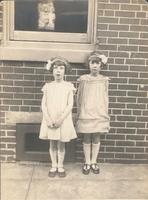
x: 87, y: 147
x: 87, y: 151
x: 95, y: 152
x: 53, y: 153
x: 61, y: 156
x: 53, y: 156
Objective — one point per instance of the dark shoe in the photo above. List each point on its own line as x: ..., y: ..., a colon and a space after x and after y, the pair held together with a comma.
x: 62, y: 173
x: 52, y: 173
x: 86, y: 169
x: 95, y: 168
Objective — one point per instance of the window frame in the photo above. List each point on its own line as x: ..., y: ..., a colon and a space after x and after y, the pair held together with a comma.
x: 30, y: 46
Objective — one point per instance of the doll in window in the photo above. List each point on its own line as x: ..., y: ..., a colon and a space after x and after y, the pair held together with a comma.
x: 46, y: 15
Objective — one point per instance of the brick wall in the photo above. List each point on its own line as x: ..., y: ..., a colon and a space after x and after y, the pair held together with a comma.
x: 122, y: 32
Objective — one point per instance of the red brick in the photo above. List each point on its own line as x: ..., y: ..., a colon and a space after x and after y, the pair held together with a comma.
x: 34, y: 77
x: 136, y: 106
x: 115, y: 149
x: 127, y: 48
x: 119, y: 27
x: 14, y: 108
x: 117, y: 93
x: 143, y: 48
x: 102, y: 26
x: 115, y: 137
x: 6, y: 82
x: 4, y: 108
x: 141, y: 156
x: 13, y: 89
x: 108, y: 47
x: 12, y: 102
x: 126, y: 118
x: 135, y: 124
x: 126, y: 99
x: 108, y: 20
x: 24, y: 83
x: 117, y: 124
x: 130, y: 7
x: 139, y: 55
x: 137, y: 112
x: 24, y: 96
x: 118, y: 41
x: 35, y: 109
x: 108, y: 6
x: 125, y: 143
x: 145, y: 113
x: 118, y: 67
x: 137, y: 81
x: 144, y: 35
x: 127, y: 87
x: 109, y: 13
x: 13, y: 63
x: 120, y: 1
x: 116, y: 105
x: 124, y: 155
x: 32, y: 102
x: 127, y: 112
x: 134, y: 150
x: 144, y: 22
x: 126, y: 130
x: 13, y: 76
x: 106, y: 155
x: 141, y: 14
x: 7, y: 152
x: 129, y: 21
x: 8, y: 140
x: 143, y: 100
x: 138, y: 41
x: 142, y: 143
x: 24, y: 108
x: 142, y: 119
x: 137, y: 68
x: 108, y: 143
x: 6, y: 69
x: 135, y: 137
x: 124, y: 14
x: 116, y: 111
x: 6, y: 95
x: 128, y: 74
x: 119, y: 61
x: 108, y: 34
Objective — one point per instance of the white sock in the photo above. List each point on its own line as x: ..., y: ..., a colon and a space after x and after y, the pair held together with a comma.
x: 53, y: 155
x: 86, y: 149
x: 61, y: 154
x: 95, y: 151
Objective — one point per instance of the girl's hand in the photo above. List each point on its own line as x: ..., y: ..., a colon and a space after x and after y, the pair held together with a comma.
x: 50, y: 125
x: 58, y: 122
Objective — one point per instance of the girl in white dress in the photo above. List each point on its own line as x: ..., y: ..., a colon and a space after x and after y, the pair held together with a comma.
x: 93, y: 118
x: 57, y: 103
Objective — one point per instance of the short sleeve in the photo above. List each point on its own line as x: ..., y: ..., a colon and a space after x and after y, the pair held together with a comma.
x: 72, y: 88
x: 44, y: 88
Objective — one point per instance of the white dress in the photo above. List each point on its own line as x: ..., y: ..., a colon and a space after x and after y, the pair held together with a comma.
x: 92, y: 100
x: 57, y: 98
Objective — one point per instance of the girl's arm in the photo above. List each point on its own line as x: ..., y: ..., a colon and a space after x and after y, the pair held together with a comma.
x: 45, y: 111
x: 67, y: 110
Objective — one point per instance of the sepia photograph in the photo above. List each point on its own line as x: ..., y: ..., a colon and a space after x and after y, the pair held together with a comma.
x: 74, y: 99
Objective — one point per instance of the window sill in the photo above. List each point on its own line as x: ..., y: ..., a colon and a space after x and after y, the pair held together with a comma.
x: 75, y: 53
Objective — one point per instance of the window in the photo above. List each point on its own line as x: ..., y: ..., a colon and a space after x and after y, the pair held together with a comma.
x: 65, y: 25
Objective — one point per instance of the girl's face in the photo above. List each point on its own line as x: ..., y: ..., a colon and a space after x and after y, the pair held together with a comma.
x: 95, y: 67
x: 58, y: 72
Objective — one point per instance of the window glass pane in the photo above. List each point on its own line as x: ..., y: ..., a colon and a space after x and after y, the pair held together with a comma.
x: 52, y: 15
